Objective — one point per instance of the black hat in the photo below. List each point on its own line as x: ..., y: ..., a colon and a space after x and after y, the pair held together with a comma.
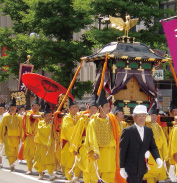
x: 12, y: 102
x: 47, y: 109
x: 92, y: 101
x: 71, y: 102
x: 102, y: 98
x: 172, y: 105
x: 2, y: 104
x: 153, y: 109
x: 116, y: 109
x: 21, y: 106
x: 36, y: 100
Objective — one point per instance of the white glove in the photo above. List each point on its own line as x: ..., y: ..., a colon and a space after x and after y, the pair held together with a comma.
x: 159, y: 162
x: 123, y: 173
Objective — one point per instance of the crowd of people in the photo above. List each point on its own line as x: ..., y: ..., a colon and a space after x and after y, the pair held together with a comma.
x: 96, y: 143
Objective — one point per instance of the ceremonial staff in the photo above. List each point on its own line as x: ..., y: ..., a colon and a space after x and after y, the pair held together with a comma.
x: 56, y: 119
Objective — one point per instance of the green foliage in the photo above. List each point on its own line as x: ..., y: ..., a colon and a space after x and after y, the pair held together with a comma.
x: 148, y: 11
x: 167, y: 71
x: 51, y: 47
x: 54, y: 22
x: 78, y: 84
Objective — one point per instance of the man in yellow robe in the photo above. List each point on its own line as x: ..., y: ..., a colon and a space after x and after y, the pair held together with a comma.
x: 173, y: 113
x: 68, y: 123
x: 77, y: 146
x: 2, y: 111
x: 44, y: 157
x: 117, y: 111
x: 172, y: 154
x: 155, y: 174
x: 30, y: 124
x: 11, y: 133
x: 101, y: 144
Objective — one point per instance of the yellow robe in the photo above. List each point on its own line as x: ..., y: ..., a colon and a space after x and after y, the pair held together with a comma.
x: 11, y: 133
x: 67, y: 158
x: 31, y: 129
x: 77, y: 141
x: 100, y: 140
x: 173, y: 147
x: 44, y: 157
x: 121, y: 125
x: 161, y: 142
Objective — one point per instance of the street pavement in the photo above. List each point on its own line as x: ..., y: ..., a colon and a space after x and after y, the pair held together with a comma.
x: 19, y: 175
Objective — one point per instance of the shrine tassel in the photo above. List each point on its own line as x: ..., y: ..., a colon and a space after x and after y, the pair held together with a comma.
x: 103, y: 74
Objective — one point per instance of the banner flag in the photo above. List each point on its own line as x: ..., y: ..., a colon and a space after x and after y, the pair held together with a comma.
x: 24, y: 68
x: 170, y: 28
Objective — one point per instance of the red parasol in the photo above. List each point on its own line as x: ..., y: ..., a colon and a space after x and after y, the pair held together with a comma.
x: 44, y: 87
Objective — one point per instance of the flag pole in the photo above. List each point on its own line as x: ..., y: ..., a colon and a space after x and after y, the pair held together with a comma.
x: 173, y: 71
x: 168, y: 18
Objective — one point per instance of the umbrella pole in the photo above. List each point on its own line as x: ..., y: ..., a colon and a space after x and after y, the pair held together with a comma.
x: 103, y: 74
x: 70, y: 86
x: 52, y: 108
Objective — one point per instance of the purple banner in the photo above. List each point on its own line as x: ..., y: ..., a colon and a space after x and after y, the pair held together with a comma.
x: 24, y: 68
x: 170, y: 28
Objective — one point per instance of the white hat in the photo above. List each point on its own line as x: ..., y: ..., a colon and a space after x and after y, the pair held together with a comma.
x: 139, y: 109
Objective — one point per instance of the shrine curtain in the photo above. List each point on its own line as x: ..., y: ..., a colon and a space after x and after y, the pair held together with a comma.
x: 144, y: 79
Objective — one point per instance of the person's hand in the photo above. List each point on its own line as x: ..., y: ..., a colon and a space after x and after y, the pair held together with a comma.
x: 123, y: 173
x: 96, y: 156
x: 159, y: 162
x: 75, y: 153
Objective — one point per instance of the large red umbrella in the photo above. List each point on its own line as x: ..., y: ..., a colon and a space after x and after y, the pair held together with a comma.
x: 44, y: 87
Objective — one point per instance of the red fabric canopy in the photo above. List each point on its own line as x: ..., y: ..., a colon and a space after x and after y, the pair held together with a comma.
x: 44, y: 87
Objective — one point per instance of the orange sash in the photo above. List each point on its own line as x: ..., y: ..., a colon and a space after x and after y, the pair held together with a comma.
x: 118, y: 178
x: 24, y: 124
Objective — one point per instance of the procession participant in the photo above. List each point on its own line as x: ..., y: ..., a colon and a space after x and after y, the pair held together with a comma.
x: 30, y: 123
x: 77, y: 146
x: 135, y: 141
x: 58, y: 143
x: 173, y: 113
x: 155, y: 174
x: 172, y: 154
x: 11, y: 133
x: 2, y: 111
x: 120, y: 118
x: 68, y: 123
x: 101, y: 142
x: 21, y: 110
x: 44, y: 157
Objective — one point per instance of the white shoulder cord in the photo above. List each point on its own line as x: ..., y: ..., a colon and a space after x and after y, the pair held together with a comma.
x: 75, y: 161
x: 96, y: 169
x: 1, y: 152
x: 171, y: 174
x: 49, y: 137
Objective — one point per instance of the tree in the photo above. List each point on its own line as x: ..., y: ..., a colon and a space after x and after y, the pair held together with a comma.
x: 148, y: 11
x: 51, y: 47
x: 54, y: 22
